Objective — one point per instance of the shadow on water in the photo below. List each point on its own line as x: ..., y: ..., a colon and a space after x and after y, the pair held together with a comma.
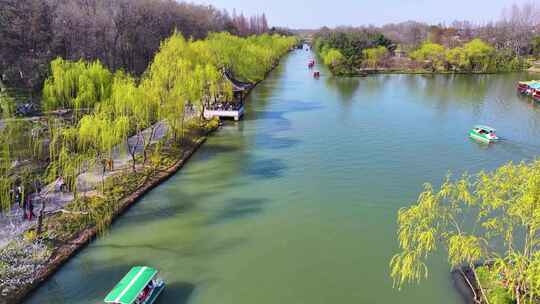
x: 139, y: 246
x: 170, y: 207
x: 211, y: 151
x: 239, y: 208
x: 177, y: 292
x: 292, y: 106
x: 188, y: 249
x: 267, y: 141
x: 265, y: 168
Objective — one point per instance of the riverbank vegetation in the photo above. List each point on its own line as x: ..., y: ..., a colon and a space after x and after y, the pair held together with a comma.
x: 510, y: 44
x: 107, y: 133
x: 343, y: 50
x: 121, y: 34
x: 359, y: 51
x: 489, y: 219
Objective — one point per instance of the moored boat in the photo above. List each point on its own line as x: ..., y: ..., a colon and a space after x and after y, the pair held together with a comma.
x: 484, y: 133
x: 529, y: 88
x: 536, y: 95
x: 311, y: 63
x: 141, y: 285
x: 316, y: 74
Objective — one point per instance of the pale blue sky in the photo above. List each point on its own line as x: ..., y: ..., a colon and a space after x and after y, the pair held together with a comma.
x: 316, y: 13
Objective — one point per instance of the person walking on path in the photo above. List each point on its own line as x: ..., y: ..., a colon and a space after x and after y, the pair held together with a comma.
x: 30, y: 208
x: 59, y: 184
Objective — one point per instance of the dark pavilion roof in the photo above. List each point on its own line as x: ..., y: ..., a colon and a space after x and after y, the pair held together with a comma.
x: 238, y: 86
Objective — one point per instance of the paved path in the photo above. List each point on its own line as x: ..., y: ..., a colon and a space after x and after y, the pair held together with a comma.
x: 12, y: 224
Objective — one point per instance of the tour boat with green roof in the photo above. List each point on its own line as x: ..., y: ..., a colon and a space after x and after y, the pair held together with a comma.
x: 484, y: 133
x: 140, y: 285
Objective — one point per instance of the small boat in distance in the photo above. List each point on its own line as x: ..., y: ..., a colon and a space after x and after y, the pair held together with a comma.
x: 316, y: 74
x: 140, y: 285
x: 529, y: 88
x: 484, y: 133
x: 311, y: 63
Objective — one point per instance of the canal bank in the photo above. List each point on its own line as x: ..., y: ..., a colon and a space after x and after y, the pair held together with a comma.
x: 298, y: 202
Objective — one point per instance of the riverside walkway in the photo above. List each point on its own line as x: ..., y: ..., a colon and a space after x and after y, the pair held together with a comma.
x: 13, y: 225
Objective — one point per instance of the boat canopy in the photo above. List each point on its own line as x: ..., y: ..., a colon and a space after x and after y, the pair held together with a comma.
x: 131, y: 285
x: 489, y: 129
x: 535, y: 85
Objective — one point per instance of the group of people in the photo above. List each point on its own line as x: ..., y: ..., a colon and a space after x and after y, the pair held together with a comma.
x: 226, y: 106
x: 147, y: 291
x: 26, y: 201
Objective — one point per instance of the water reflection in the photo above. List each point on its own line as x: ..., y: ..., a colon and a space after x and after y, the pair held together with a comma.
x: 346, y: 88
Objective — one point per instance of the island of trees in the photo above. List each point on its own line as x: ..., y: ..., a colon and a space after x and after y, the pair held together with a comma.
x: 412, y: 47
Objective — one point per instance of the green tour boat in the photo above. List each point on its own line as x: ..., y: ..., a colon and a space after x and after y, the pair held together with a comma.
x: 484, y: 133
x: 140, y: 285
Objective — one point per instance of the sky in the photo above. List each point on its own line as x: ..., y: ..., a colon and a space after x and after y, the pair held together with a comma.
x: 314, y: 14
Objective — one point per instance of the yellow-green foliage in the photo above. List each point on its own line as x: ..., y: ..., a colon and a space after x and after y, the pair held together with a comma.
x: 332, y: 58
x: 182, y: 72
x: 249, y: 58
x: 7, y: 104
x: 6, y: 182
x: 474, y: 56
x: 30, y: 235
x: 373, y: 56
x: 487, y: 217
x: 432, y: 52
x: 76, y: 85
x: 494, y: 289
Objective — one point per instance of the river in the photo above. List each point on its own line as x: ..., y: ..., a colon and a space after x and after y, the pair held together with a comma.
x: 297, y: 203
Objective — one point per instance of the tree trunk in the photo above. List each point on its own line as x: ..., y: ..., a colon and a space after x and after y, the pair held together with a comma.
x: 147, y: 144
x: 182, y: 127
x: 103, y: 177
x: 133, y: 153
x: 471, y: 286
x: 133, y: 163
x: 484, y: 296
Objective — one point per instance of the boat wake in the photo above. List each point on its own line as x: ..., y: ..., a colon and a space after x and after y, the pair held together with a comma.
x: 525, y: 150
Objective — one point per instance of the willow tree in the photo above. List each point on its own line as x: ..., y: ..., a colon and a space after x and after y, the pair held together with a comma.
x: 174, y: 109
x: 76, y: 85
x: 129, y: 101
x: 167, y: 82
x: 99, y: 135
x: 66, y: 160
x: 491, y: 218
x: 6, y: 182
x: 7, y: 105
x: 249, y: 58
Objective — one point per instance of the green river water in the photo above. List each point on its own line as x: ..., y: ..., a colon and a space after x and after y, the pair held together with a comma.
x: 297, y: 203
